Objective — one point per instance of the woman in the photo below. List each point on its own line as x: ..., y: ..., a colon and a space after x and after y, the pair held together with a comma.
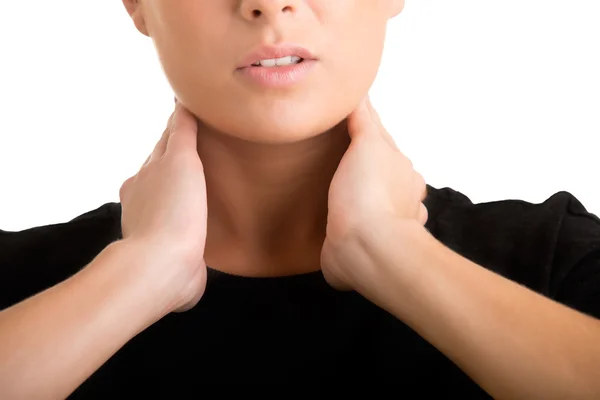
x: 329, y: 259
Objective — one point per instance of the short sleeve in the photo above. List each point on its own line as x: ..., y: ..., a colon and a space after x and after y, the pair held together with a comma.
x: 576, y: 263
x: 34, y: 259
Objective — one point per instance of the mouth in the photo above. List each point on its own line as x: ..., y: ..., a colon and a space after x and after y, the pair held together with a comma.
x: 278, y: 62
x: 275, y: 57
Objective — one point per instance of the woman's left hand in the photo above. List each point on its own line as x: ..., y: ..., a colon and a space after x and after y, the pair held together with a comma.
x: 374, y: 184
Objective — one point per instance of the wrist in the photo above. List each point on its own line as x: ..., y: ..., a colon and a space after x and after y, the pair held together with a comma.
x: 394, y: 253
x: 119, y: 270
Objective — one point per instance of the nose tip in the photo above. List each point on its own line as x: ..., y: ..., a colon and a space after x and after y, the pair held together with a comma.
x: 266, y: 9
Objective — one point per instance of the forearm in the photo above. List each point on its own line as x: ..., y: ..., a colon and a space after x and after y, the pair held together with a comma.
x: 51, y: 342
x: 512, y: 341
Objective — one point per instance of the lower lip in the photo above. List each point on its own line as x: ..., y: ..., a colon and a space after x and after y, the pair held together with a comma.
x: 278, y: 77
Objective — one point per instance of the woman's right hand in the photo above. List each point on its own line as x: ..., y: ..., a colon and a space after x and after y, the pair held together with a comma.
x: 164, y: 212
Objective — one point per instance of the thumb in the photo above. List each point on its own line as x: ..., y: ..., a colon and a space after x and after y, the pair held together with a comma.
x: 365, y: 121
x: 335, y: 282
x: 360, y: 122
x: 184, y: 131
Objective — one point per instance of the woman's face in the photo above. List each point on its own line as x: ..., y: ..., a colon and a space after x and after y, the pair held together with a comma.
x: 201, y: 44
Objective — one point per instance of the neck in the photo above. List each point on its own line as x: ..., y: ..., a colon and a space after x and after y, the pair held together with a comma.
x: 267, y: 203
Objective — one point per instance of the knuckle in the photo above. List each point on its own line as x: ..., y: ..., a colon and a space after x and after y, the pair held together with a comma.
x: 123, y: 191
x: 407, y: 162
x: 126, y: 185
x: 420, y: 181
x: 421, y: 186
x: 424, y: 214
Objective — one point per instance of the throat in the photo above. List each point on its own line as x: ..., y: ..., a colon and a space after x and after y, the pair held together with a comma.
x: 237, y: 259
x: 267, y: 204
x: 275, y: 234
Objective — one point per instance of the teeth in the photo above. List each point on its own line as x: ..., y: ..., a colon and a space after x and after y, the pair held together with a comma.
x: 278, y: 62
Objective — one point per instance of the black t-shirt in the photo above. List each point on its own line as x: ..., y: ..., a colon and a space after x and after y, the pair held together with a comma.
x: 297, y: 330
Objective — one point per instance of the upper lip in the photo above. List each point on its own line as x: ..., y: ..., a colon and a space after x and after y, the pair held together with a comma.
x: 270, y: 52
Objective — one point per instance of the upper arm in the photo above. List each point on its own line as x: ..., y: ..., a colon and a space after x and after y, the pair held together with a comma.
x: 576, y: 264
x: 38, y: 258
x: 21, y: 267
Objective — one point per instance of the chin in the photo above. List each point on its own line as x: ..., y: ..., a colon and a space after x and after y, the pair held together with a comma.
x: 281, y: 129
x: 273, y: 121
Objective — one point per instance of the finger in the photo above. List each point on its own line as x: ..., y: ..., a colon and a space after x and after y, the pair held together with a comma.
x: 147, y: 160
x: 423, y: 214
x: 360, y: 122
x: 161, y: 145
x: 334, y: 281
x: 421, y: 186
x: 377, y: 121
x: 184, y: 131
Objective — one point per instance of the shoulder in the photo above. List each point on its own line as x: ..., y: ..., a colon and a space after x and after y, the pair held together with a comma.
x: 34, y: 259
x: 546, y: 246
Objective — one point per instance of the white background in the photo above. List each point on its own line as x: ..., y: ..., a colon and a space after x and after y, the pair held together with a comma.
x: 496, y: 99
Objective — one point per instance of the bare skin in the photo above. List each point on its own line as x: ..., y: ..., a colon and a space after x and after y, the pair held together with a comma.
x: 233, y: 169
x: 269, y: 155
